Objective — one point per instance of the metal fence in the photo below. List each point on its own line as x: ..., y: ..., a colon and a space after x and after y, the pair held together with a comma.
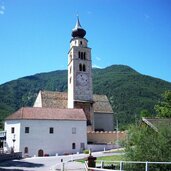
x: 129, y: 166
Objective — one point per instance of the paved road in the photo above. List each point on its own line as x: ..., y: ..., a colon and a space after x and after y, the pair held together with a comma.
x: 49, y: 163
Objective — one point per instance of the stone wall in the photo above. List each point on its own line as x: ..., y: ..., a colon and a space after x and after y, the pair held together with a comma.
x: 101, y: 147
x: 107, y: 137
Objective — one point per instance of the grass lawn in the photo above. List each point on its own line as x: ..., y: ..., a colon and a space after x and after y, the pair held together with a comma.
x: 107, y: 158
x: 112, y: 158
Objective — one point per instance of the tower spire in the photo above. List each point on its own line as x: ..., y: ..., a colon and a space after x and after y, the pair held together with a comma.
x: 78, y: 25
x: 78, y: 31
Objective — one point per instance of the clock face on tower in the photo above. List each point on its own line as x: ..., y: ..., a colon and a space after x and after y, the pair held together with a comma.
x: 82, y: 79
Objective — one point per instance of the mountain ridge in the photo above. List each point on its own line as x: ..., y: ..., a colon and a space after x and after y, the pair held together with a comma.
x: 129, y: 91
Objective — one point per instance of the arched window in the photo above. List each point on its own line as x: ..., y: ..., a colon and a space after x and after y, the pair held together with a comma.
x: 26, y: 150
x: 84, y: 56
x: 80, y: 67
x: 70, y: 56
x: 84, y: 67
x: 79, y: 54
x: 70, y: 69
x: 73, y: 145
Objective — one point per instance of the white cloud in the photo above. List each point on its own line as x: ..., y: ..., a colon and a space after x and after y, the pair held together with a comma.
x: 89, y: 12
x: 2, y: 9
x: 1, y: 12
x: 96, y: 66
x: 146, y: 16
x: 97, y: 58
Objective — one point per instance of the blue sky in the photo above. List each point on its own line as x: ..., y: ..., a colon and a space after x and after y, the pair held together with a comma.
x: 35, y: 35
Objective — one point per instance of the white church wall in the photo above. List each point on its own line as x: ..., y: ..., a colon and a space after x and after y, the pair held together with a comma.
x: 59, y: 142
x: 70, y: 79
x: 101, y: 147
x: 78, y: 42
x: 38, y: 101
x: 13, y: 135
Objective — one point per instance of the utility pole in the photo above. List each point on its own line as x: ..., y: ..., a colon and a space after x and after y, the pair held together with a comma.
x: 117, y: 132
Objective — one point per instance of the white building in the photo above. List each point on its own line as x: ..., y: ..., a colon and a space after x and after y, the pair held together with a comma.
x: 40, y: 131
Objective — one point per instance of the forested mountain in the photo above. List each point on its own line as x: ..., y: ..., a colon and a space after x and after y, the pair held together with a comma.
x: 128, y: 91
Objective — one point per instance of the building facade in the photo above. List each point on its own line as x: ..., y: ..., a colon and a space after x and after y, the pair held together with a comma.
x: 46, y: 131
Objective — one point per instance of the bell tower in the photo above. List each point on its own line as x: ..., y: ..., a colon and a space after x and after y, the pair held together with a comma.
x: 80, y: 94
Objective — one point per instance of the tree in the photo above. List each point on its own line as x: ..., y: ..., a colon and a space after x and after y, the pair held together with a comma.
x: 145, y: 113
x: 145, y: 144
x: 163, y: 109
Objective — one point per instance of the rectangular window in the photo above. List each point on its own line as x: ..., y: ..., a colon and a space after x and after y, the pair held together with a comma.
x: 27, y: 129
x: 82, y: 146
x: 12, y: 130
x: 51, y: 130
x: 73, y: 130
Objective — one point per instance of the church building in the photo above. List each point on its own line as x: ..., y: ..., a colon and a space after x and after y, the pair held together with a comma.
x: 80, y: 95
x: 59, y: 121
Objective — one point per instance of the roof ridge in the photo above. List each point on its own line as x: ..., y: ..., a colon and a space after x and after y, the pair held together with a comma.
x: 53, y: 91
x: 53, y: 108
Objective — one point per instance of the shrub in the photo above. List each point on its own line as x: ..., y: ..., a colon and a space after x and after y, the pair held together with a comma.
x: 86, y: 151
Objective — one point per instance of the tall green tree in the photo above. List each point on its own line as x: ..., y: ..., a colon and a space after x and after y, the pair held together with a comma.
x: 145, y: 144
x: 163, y: 109
x: 145, y: 113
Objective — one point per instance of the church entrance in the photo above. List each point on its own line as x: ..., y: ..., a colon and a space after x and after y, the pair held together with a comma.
x: 40, y: 153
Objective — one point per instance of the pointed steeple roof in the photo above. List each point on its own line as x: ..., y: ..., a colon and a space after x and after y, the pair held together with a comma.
x: 78, y: 31
x: 78, y: 25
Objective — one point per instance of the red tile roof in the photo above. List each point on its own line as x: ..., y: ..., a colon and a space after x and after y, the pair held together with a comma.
x: 38, y: 113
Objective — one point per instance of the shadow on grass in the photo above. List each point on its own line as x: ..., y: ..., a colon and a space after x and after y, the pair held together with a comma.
x: 19, y: 164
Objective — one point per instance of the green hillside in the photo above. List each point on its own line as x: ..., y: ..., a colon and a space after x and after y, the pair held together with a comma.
x: 128, y: 91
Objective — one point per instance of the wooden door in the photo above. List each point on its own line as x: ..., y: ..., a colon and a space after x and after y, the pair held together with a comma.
x: 40, y: 153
